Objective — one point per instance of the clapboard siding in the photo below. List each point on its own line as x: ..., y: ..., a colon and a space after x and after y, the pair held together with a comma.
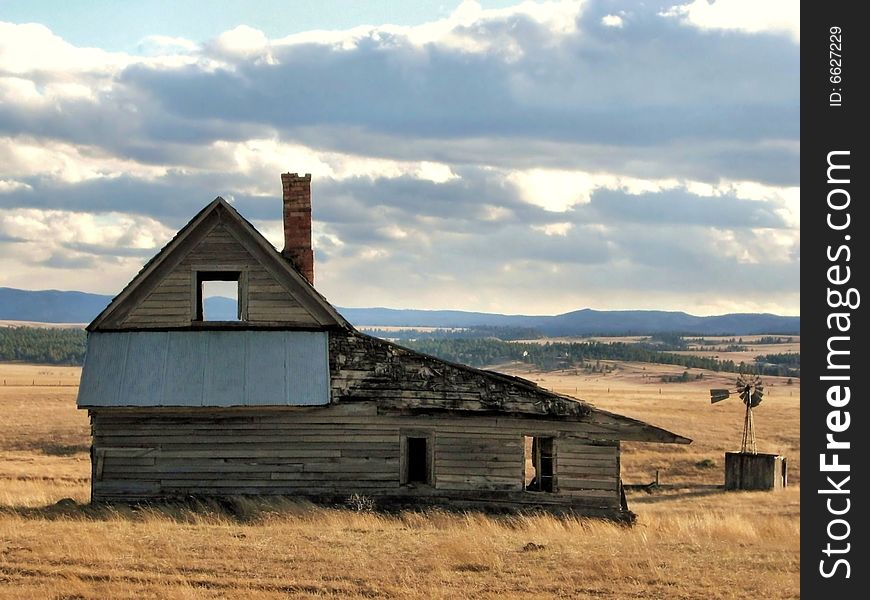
x: 338, y: 449
x: 170, y: 303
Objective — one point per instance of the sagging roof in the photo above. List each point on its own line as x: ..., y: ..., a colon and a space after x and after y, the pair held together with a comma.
x: 402, y: 379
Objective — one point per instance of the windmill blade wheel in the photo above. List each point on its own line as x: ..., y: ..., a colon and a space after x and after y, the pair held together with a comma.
x: 751, y: 390
x: 718, y: 395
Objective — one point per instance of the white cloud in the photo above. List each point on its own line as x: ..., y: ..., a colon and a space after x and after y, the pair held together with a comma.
x: 757, y: 246
x: 553, y: 190
x: 67, y: 250
x: 33, y: 47
x: 491, y: 212
x: 269, y: 156
x: 7, y: 186
x: 788, y: 198
x: 464, y: 29
x: 561, y: 229
x: 37, y: 157
x: 612, y: 20
x: 52, y: 228
x: 65, y: 70
x: 158, y: 45
x: 242, y: 42
x: 393, y: 231
x: 559, y: 190
x: 742, y: 15
x: 436, y: 172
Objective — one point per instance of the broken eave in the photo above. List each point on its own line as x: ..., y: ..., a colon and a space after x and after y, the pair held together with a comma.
x: 399, y: 379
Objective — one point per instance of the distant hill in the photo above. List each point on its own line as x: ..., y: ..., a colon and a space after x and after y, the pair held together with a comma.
x: 52, y: 306
x: 584, y: 322
x: 221, y: 309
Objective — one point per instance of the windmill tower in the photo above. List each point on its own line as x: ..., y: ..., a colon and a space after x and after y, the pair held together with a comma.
x: 748, y: 469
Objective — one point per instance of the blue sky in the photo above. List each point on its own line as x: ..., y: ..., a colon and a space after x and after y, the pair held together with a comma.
x: 120, y: 25
x: 526, y: 158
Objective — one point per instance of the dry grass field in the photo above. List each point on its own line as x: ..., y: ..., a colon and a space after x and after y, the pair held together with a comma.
x: 691, y: 541
x: 719, y: 351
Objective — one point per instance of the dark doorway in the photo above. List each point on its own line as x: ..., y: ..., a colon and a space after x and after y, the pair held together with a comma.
x: 417, y: 460
x: 539, y: 464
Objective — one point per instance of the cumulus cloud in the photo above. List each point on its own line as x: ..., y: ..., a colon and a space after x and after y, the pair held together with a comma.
x: 241, y: 43
x: 33, y: 48
x: 614, y: 154
x: 741, y: 15
x: 161, y: 45
x: 570, y: 83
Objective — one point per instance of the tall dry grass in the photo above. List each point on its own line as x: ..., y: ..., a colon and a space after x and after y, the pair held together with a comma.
x: 693, y: 541
x: 636, y: 390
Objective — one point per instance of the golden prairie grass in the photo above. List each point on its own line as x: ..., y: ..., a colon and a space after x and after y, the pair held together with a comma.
x: 636, y: 390
x: 690, y: 541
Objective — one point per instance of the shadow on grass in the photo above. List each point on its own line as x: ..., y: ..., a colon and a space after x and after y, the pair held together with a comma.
x: 59, y: 449
x: 676, y: 492
x: 193, y: 510
x: 257, y: 510
x: 50, y: 448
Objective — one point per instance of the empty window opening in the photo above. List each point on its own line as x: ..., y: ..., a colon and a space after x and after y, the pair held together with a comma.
x: 218, y: 296
x: 417, y: 460
x: 539, y: 464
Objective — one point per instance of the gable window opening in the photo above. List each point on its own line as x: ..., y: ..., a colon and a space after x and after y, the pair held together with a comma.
x: 417, y: 466
x: 538, y: 475
x: 218, y: 296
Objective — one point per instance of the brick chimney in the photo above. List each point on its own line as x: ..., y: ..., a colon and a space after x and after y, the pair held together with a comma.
x: 297, y: 223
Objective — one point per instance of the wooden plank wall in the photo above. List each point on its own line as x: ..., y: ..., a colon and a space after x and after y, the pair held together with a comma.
x: 170, y: 303
x: 338, y: 450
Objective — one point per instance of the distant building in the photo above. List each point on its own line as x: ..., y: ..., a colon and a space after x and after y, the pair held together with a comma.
x: 290, y: 399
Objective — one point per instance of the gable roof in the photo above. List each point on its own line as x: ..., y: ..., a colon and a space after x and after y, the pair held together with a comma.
x: 219, y: 211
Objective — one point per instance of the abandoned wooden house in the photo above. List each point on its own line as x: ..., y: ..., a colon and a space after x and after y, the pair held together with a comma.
x: 288, y: 398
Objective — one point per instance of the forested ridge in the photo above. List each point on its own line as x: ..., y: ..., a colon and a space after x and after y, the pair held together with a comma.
x: 556, y: 355
x: 61, y: 346
x: 67, y: 347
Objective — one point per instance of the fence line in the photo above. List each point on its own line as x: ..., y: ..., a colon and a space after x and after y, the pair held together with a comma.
x: 19, y: 383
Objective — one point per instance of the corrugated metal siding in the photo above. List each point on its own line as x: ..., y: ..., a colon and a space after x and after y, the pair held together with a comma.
x: 205, y: 368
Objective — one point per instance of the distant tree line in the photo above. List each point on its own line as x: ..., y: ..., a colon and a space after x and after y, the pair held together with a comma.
x: 560, y: 355
x: 67, y: 347
x: 40, y: 345
x: 457, y: 333
x: 666, y: 341
x: 684, y: 377
x: 788, y: 359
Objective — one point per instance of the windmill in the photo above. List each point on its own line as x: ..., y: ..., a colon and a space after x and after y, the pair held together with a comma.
x: 750, y: 390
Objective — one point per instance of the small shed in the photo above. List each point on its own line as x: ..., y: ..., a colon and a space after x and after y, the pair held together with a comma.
x: 755, y: 471
x: 288, y: 398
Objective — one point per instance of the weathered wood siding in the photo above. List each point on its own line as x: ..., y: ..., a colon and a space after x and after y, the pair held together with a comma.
x: 587, y: 469
x: 367, y: 368
x: 170, y: 303
x: 747, y: 471
x: 338, y: 450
